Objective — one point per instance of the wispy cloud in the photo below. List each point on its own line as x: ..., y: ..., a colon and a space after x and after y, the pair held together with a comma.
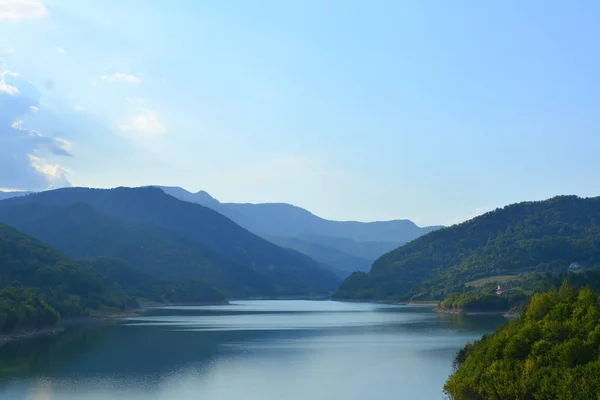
x: 22, y: 151
x: 147, y: 122
x: 55, y: 174
x: 60, y: 50
x: 22, y: 10
x: 121, y: 78
x: 5, y: 87
x: 78, y: 108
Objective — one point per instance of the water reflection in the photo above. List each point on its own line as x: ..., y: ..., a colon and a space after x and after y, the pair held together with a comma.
x: 254, y: 350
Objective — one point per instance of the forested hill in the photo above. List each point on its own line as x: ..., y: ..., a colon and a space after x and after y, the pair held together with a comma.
x: 524, y: 237
x: 551, y: 352
x: 216, y: 243
x: 39, y: 285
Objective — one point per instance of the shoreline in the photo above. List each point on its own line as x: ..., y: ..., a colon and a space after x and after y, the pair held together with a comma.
x: 451, y: 311
x: 26, y: 334
x: 392, y: 302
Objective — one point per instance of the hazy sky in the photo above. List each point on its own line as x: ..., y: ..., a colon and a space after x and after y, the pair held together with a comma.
x: 365, y: 110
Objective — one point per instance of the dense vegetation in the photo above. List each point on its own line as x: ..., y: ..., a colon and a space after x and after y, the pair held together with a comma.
x: 38, y: 284
x: 526, y: 237
x: 551, y: 352
x: 82, y: 232
x: 145, y: 287
x: 167, y: 238
x: 518, y: 291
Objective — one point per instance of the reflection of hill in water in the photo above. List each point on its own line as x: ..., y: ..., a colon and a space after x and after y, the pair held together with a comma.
x: 166, y: 347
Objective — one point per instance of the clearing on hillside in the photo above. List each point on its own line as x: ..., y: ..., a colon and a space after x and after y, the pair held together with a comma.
x: 493, y: 279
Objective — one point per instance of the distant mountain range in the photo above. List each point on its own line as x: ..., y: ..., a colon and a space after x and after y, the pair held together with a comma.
x: 343, y: 246
x: 340, y: 246
x: 166, y: 238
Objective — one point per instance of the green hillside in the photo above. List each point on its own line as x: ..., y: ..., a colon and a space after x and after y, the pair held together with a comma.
x: 144, y: 286
x: 525, y: 237
x: 551, y: 352
x: 82, y: 232
x: 167, y: 238
x: 39, y: 285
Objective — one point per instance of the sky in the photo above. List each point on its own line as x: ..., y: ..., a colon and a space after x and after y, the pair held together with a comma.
x: 431, y: 110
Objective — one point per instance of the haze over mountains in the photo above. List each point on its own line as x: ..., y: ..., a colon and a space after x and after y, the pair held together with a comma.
x: 167, y: 238
x: 340, y: 246
x: 345, y: 246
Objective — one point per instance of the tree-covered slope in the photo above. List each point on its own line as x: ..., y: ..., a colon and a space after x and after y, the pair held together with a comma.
x: 144, y: 286
x: 83, y: 232
x: 524, y: 237
x: 288, y: 271
x: 38, y: 283
x: 551, y: 352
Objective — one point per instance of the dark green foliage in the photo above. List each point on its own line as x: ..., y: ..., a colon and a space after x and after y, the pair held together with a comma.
x: 519, y: 291
x: 49, y: 282
x: 525, y: 237
x: 82, y: 232
x: 478, y: 300
x: 167, y: 238
x: 139, y: 284
x: 551, y: 352
x: 23, y: 309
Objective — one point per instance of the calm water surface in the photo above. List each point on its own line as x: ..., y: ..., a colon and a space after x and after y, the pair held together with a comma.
x: 247, y: 350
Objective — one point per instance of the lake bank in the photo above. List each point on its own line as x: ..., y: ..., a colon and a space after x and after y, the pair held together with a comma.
x: 26, y: 334
x: 510, y: 314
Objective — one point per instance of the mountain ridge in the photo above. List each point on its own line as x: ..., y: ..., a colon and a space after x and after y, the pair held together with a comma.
x: 543, y: 236
x: 285, y: 268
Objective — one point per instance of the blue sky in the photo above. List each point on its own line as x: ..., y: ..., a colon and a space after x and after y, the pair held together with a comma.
x: 430, y: 110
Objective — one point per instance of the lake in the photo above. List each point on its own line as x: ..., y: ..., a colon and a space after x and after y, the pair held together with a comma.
x: 256, y: 350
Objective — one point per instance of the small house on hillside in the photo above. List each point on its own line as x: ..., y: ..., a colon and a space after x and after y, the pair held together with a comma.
x: 575, y: 268
x: 501, y: 290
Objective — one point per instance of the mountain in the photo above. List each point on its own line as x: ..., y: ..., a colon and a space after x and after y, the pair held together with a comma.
x: 214, y: 243
x: 142, y: 285
x: 551, y: 352
x: 8, y: 195
x: 345, y: 246
x: 525, y: 237
x: 39, y: 285
x: 82, y: 232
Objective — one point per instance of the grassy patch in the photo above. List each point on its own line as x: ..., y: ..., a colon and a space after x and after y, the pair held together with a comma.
x: 494, y: 279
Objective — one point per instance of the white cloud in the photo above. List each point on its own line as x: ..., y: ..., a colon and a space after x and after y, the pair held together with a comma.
x: 21, y: 10
x: 8, y: 89
x: 60, y: 50
x: 78, y: 108
x: 34, y: 109
x: 21, y: 149
x: 55, y: 175
x: 63, y: 144
x: 121, y: 77
x: 147, y: 123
